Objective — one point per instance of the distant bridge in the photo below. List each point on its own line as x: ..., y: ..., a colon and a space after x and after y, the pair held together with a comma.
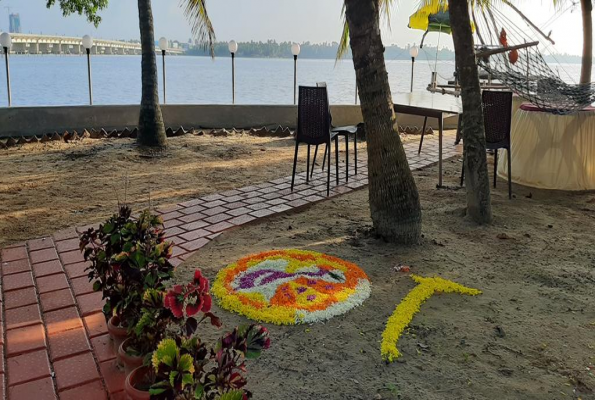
x: 44, y: 44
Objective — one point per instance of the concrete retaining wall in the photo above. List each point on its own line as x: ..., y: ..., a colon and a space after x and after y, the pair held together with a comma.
x: 29, y: 121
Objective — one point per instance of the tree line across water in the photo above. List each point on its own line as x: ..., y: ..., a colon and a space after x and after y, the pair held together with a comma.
x: 274, y: 49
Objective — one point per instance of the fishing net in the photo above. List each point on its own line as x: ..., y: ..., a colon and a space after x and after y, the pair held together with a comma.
x: 525, y: 71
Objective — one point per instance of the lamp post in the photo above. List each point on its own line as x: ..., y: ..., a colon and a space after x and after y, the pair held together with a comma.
x: 88, y: 45
x: 163, y: 46
x: 233, y: 48
x: 295, y: 50
x: 6, y: 43
x: 413, y: 52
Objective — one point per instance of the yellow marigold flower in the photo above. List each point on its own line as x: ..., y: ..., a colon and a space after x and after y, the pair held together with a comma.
x: 410, y: 305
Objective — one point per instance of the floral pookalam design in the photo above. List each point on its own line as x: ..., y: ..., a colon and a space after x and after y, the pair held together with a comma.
x: 287, y: 287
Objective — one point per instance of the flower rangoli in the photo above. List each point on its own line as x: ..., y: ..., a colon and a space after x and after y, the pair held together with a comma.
x: 291, y: 287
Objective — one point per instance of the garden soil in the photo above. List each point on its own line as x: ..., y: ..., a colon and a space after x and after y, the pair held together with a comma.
x: 530, y: 335
x: 46, y: 187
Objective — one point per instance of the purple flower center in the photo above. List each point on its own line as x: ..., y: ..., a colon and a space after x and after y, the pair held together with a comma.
x: 301, y: 289
x: 311, y: 297
x: 248, y: 280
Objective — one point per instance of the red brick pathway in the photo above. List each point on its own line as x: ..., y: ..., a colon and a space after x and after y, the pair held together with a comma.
x: 53, y: 336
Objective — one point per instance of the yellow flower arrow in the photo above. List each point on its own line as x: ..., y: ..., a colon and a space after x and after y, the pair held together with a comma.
x: 410, y: 305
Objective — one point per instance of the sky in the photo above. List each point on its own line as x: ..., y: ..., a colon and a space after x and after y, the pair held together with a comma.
x: 260, y: 20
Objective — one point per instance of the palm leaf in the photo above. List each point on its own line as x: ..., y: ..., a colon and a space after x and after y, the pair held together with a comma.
x: 385, y: 10
x: 202, y: 28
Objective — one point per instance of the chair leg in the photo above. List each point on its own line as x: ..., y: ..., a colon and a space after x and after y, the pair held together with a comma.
x: 355, y: 150
x: 328, y: 177
x: 495, y: 166
x: 423, y: 132
x: 294, y: 164
x: 314, y: 161
x: 347, y: 158
x: 337, y: 158
x: 308, y: 166
x: 509, y: 174
x: 324, y: 158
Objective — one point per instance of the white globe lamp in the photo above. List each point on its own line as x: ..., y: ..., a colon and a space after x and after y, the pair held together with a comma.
x: 413, y: 52
x: 233, y: 47
x: 6, y: 40
x: 296, y: 49
x: 163, y: 45
x: 87, y: 42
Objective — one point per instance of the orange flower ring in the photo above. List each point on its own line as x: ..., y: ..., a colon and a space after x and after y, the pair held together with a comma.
x: 287, y: 287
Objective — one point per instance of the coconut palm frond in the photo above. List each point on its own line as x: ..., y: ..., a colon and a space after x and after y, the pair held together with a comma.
x: 202, y: 28
x: 344, y: 42
x: 435, y: 6
x: 385, y: 10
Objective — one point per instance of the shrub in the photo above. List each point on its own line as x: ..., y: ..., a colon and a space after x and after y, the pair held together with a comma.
x: 128, y: 256
x: 187, y: 369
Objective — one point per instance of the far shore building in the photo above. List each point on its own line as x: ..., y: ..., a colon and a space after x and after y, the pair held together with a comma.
x: 14, y: 23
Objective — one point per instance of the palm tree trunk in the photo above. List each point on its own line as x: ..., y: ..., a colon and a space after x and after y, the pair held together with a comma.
x: 476, y: 179
x: 587, y: 65
x: 394, y: 200
x: 150, y: 125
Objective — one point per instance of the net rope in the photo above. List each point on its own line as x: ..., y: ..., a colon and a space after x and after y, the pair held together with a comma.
x: 525, y: 71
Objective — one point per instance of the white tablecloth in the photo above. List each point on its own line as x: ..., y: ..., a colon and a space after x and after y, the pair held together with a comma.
x: 552, y: 151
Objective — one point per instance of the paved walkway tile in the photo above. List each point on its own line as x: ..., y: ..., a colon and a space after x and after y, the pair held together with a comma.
x: 53, y: 335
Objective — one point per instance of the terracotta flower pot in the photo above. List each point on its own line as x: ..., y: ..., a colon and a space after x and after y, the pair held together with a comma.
x: 134, y: 380
x: 118, y: 335
x: 129, y: 362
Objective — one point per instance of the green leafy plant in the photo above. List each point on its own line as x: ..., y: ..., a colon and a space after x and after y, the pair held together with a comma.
x: 184, y: 308
x: 128, y: 256
x: 183, y: 366
x: 176, y: 369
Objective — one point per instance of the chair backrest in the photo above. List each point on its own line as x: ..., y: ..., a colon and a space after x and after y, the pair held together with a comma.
x: 497, y: 116
x: 314, y: 122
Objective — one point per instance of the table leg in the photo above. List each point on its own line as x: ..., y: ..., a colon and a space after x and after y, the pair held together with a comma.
x: 440, y: 129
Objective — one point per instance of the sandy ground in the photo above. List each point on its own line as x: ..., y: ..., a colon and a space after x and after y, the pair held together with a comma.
x: 51, y: 186
x: 530, y: 335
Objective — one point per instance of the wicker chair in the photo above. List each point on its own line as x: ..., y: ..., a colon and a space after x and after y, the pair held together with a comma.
x: 344, y: 131
x: 497, y: 119
x: 314, y: 128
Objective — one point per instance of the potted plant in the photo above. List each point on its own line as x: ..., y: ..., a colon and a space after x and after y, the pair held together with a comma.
x: 177, y: 311
x: 181, y: 365
x: 187, y: 369
x: 127, y: 256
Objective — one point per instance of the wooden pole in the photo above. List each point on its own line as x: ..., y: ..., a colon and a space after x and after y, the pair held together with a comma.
x: 527, y: 20
x: 491, y: 52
